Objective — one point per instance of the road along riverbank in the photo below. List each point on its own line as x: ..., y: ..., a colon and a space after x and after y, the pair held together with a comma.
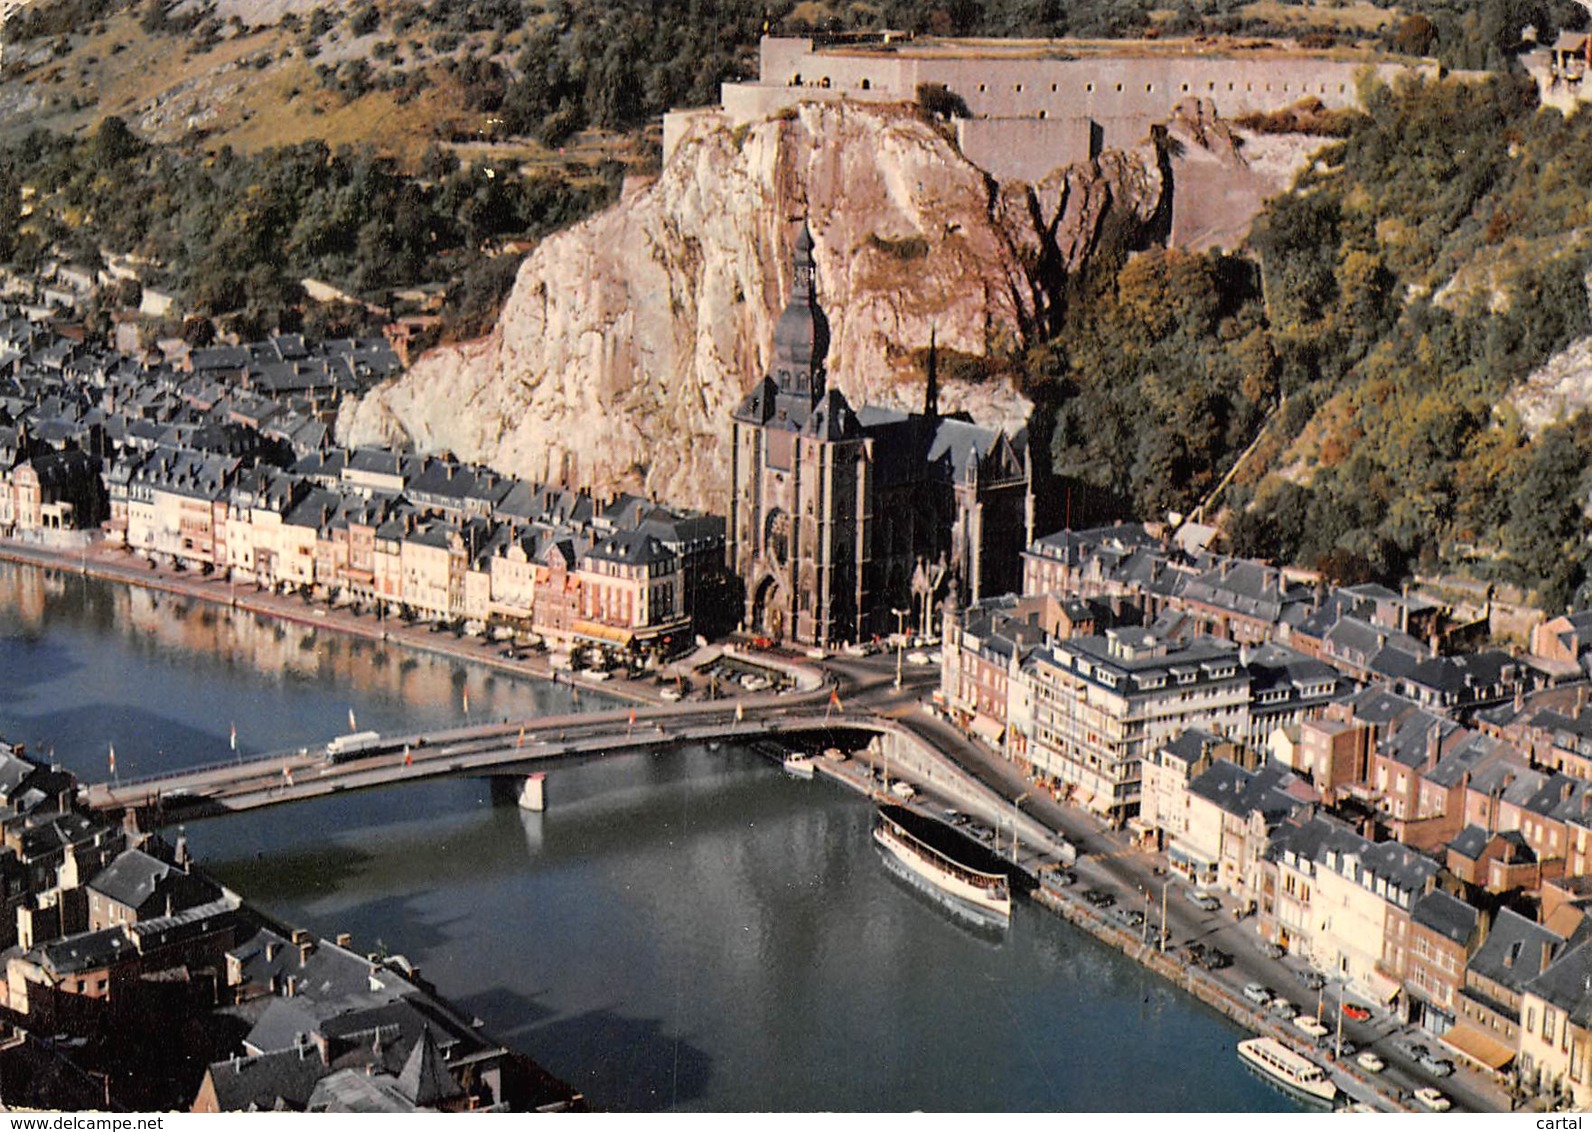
x: 121, y: 567
x: 1039, y: 851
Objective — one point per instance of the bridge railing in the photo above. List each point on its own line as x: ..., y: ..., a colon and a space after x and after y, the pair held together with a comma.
x: 205, y: 768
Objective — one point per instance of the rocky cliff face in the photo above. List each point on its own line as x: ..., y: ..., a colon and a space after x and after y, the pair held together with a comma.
x: 628, y: 339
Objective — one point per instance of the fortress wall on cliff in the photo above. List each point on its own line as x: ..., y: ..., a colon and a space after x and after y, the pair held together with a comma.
x: 1026, y: 148
x: 1122, y: 92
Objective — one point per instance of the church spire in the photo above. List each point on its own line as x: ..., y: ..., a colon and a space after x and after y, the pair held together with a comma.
x: 801, y: 337
x: 931, y: 391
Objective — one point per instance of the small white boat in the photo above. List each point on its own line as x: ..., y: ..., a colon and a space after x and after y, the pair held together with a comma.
x: 798, y: 766
x: 1294, y: 1073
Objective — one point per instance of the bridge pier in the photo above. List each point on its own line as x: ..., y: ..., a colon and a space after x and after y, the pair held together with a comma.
x: 533, y: 795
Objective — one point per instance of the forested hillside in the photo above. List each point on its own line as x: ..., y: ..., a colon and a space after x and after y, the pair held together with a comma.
x: 233, y: 235
x: 1423, y: 267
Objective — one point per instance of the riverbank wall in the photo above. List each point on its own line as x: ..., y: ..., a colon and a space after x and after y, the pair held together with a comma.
x: 898, y: 754
x: 119, y: 568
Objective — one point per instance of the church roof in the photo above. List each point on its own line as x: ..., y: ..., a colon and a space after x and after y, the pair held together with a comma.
x: 961, y: 446
x: 832, y: 418
x: 758, y: 405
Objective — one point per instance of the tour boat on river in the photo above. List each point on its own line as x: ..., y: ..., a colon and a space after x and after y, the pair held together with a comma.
x: 941, y: 860
x: 1293, y: 1073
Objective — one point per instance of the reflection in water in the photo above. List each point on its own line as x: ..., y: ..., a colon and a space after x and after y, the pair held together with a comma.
x: 682, y: 930
x: 165, y: 678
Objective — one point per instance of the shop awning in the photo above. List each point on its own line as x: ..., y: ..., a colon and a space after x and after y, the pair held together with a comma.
x: 1479, y: 1046
x: 1382, y: 988
x: 597, y: 631
x: 987, y: 729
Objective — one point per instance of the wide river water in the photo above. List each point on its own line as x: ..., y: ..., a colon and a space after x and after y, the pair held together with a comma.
x: 683, y: 930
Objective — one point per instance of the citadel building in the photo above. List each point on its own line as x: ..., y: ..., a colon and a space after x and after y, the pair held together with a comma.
x: 843, y: 522
x: 1025, y: 107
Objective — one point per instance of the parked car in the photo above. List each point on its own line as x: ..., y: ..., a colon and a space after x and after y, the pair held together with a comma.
x: 1310, y: 1024
x: 1257, y: 993
x: 1099, y: 897
x: 1274, y: 951
x: 1370, y: 1062
x: 1355, y: 1012
x: 1437, y: 1066
x: 1312, y: 979
x: 1433, y: 1099
x: 1217, y: 959
x: 1203, y: 900
x: 1282, y: 1008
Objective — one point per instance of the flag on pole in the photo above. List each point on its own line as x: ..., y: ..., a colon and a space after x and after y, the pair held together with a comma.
x: 113, y: 757
x: 740, y: 713
x: 834, y: 699
x: 287, y: 774
x: 632, y: 719
x: 234, y: 738
x: 352, y: 726
x: 409, y: 758
x: 467, y: 701
x: 520, y: 742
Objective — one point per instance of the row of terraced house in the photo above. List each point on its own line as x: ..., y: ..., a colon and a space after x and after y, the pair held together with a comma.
x: 220, y: 460
x: 1413, y: 819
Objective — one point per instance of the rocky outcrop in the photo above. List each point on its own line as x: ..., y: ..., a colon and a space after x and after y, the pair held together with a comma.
x: 628, y: 339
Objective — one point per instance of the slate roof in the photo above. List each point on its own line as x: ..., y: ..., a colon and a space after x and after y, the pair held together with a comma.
x: 1470, y: 842
x: 1240, y: 792
x: 349, y: 1090
x: 135, y: 879
x: 86, y: 951
x: 268, y: 1081
x: 1447, y: 915
x: 1567, y: 983
x: 1511, y: 955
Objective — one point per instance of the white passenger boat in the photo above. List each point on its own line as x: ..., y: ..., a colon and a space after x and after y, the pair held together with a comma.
x: 797, y: 765
x: 925, y: 851
x: 1294, y: 1073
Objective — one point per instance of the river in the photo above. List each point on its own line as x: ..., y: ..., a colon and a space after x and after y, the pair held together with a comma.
x: 683, y: 930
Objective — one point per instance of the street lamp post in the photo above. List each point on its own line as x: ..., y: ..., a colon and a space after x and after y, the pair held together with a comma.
x: 900, y: 615
x: 1337, y: 1053
x: 1016, y: 802
x: 1164, y: 883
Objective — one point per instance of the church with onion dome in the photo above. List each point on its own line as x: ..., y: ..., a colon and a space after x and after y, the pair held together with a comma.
x: 846, y: 524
